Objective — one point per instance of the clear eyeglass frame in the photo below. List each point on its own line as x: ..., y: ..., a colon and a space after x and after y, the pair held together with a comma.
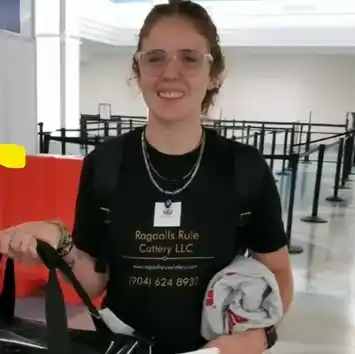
x: 155, y: 62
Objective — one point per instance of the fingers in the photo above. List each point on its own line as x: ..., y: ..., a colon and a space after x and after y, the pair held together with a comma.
x: 5, y: 239
x: 23, y: 246
x: 32, y: 249
x: 19, y: 245
x: 20, y: 242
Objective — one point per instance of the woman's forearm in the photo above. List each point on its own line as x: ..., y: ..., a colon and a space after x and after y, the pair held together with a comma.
x: 83, y: 267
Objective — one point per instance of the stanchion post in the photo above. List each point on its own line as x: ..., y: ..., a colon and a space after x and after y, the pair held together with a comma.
x: 83, y: 135
x: 262, y: 138
x: 224, y: 131
x: 348, y: 158
x: 300, y: 138
x: 41, y: 137
x: 273, y: 148
x: 106, y: 129
x: 46, y: 142
x: 83, y: 132
x: 283, y: 171
x: 335, y: 197
x: 248, y: 134
x: 63, y: 144
x: 314, y: 218
x: 292, y: 249
x: 119, y: 128
x: 255, y: 142
x: 352, y: 154
x: 243, y: 129
x: 344, y: 177
x: 308, y: 144
x: 292, y: 142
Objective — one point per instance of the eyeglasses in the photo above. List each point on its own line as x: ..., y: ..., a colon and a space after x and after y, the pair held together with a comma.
x: 155, y: 62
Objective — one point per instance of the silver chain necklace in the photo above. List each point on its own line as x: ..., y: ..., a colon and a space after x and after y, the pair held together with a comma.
x: 187, y: 183
x: 152, y: 168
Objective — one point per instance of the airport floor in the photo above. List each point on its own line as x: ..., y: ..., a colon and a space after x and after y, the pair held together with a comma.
x: 322, y: 317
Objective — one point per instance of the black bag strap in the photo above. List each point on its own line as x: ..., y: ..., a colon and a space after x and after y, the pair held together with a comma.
x: 248, y: 172
x: 51, y: 260
x: 247, y: 176
x: 107, y: 159
x: 55, y: 308
x: 59, y: 339
x: 107, y: 170
x: 56, y: 319
x: 8, y: 293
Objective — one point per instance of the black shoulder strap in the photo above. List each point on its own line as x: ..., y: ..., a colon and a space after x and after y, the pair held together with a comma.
x: 247, y: 173
x: 107, y: 170
x: 245, y: 188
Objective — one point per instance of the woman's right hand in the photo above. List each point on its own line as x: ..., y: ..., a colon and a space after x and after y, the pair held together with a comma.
x: 20, y: 242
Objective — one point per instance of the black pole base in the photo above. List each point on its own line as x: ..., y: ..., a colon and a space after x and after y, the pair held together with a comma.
x: 314, y: 219
x: 282, y: 173
x: 293, y: 249
x: 334, y: 199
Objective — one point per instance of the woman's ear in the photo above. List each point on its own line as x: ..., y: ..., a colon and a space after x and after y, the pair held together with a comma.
x: 215, y: 83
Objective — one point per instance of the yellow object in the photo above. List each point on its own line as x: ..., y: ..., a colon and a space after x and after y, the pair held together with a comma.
x: 12, y: 156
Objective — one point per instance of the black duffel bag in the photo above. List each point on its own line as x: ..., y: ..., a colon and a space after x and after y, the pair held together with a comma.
x: 22, y: 336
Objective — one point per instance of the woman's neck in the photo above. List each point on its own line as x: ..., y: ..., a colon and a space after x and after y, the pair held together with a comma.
x: 174, y: 138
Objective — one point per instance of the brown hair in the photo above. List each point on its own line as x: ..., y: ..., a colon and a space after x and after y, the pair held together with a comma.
x: 204, y: 24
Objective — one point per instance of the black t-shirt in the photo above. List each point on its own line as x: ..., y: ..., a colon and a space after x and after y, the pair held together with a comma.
x: 158, y: 275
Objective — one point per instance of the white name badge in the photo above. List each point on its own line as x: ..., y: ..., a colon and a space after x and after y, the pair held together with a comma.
x: 167, y: 217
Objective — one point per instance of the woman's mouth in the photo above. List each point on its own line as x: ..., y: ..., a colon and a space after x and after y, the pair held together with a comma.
x: 171, y: 94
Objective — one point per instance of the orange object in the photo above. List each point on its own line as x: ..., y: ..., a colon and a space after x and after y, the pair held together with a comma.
x: 45, y: 189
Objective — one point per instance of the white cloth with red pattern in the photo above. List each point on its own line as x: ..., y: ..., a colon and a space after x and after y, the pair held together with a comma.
x: 244, y: 295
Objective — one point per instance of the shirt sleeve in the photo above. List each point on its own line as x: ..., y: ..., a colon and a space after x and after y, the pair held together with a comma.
x: 266, y: 233
x: 88, y: 221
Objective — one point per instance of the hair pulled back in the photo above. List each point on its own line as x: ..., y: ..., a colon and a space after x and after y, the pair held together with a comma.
x: 204, y: 25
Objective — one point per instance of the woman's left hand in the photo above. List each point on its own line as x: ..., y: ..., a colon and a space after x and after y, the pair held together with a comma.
x: 250, y: 342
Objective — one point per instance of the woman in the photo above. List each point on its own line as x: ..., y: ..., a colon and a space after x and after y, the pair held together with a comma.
x: 174, y: 222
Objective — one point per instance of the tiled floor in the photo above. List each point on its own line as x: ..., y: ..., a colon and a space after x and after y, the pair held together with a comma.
x: 322, y: 317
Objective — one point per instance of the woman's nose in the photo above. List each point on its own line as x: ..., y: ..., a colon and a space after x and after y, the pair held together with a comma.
x: 173, y: 68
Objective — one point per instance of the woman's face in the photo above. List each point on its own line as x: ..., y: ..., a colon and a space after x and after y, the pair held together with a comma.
x: 174, y: 65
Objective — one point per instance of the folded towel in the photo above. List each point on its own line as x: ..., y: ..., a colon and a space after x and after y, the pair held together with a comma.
x: 243, y: 296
